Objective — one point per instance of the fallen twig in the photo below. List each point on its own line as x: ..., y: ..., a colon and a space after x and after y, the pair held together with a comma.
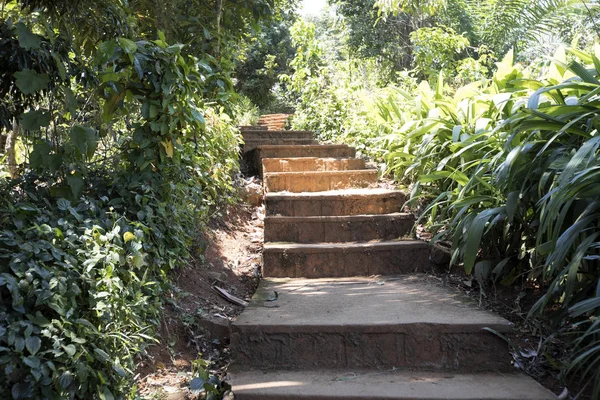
x: 228, y: 296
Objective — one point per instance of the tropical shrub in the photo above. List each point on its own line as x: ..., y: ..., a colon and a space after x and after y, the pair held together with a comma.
x: 436, y: 49
x: 122, y: 162
x: 507, y: 172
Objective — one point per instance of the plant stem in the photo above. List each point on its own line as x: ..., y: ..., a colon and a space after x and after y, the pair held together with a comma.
x: 592, y: 18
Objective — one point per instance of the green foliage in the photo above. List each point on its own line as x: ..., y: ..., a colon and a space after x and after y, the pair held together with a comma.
x: 204, y: 382
x: 384, y: 38
x: 436, y: 49
x: 423, y: 7
x: 123, y: 162
x: 506, y: 170
x: 245, y: 112
x: 268, y: 57
x: 80, y: 298
x: 514, y: 24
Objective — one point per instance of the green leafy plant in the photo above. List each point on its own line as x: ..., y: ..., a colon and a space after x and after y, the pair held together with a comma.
x: 204, y: 383
x: 506, y: 170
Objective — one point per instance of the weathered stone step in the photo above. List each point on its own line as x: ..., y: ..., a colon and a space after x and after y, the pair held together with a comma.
x: 327, y: 260
x: 311, y: 164
x: 335, y: 202
x: 255, y: 156
x: 318, y: 181
x: 378, y: 385
x: 358, y: 323
x: 252, y: 144
x: 257, y: 134
x: 346, y: 228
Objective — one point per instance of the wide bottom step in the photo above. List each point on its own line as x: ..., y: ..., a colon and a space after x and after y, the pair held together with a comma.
x: 398, y: 385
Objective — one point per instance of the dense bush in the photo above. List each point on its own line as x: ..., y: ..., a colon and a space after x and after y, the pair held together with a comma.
x: 508, y: 171
x: 122, y: 164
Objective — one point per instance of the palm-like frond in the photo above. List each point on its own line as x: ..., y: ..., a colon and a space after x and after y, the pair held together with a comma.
x: 504, y: 24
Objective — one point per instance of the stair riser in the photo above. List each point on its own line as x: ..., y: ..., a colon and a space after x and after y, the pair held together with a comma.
x: 347, y: 262
x: 318, y: 182
x: 262, y: 135
x: 311, y: 230
x: 332, y: 206
x: 310, y: 164
x: 425, y: 347
x: 254, y: 143
x: 246, y: 128
x: 255, y: 156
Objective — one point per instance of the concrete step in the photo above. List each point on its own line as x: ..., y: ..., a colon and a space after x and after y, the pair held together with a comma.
x: 255, y: 156
x: 318, y: 181
x: 311, y: 164
x: 335, y: 202
x: 265, y: 134
x: 251, y: 144
x: 346, y: 228
x: 379, y: 385
x: 406, y: 322
x: 327, y: 260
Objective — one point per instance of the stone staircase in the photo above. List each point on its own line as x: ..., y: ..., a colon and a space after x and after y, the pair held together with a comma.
x: 344, y: 310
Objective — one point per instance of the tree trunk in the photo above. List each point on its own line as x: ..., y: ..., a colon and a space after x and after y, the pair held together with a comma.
x: 9, y: 148
x: 219, y: 16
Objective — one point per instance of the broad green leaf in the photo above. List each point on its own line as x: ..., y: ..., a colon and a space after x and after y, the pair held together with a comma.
x: 197, y: 385
x: 29, y: 81
x: 119, y: 370
x: 474, y: 236
x: 40, y: 155
x: 76, y: 183
x: 32, y: 362
x: 40, y: 320
x: 109, y: 77
x: 60, y: 66
x: 139, y: 260
x: 583, y: 73
x: 65, y: 380
x: 512, y: 202
x: 33, y: 344
x: 127, y: 45
x: 85, y: 140
x: 70, y: 350
x: 585, y: 306
x: 106, y: 394
x: 22, y: 390
x: 34, y: 120
x: 101, y: 355
x: 27, y: 39
x: 108, y: 51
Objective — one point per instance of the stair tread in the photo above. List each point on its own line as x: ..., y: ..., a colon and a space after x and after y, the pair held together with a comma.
x: 265, y: 141
x: 386, y: 303
x: 399, y: 385
x: 276, y: 131
x: 367, y: 171
x: 339, y: 218
x: 303, y: 146
x: 313, y: 158
x: 359, y: 192
x: 335, y: 246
